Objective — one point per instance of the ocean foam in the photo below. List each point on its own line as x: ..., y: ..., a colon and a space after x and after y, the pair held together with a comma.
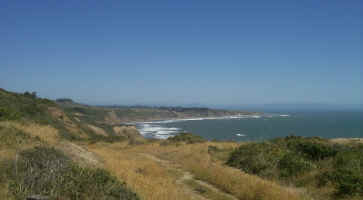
x: 203, y: 118
x: 156, y: 129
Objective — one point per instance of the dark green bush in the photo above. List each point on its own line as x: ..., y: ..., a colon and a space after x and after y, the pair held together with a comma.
x: 257, y: 158
x: 348, y: 182
x: 348, y: 174
x: 110, y: 139
x: 292, y: 165
x: 313, y: 148
x: 8, y: 114
x: 46, y: 171
x: 64, y: 100
x: 187, y: 138
x: 316, y: 151
x: 313, y: 162
x: 352, y: 159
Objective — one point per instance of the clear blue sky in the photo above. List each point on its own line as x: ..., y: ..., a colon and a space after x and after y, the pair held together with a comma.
x: 184, y: 52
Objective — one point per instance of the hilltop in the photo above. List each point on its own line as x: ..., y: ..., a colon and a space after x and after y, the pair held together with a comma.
x: 126, y: 114
x: 67, y: 150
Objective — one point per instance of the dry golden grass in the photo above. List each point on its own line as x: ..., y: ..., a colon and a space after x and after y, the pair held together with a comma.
x: 6, y: 154
x: 80, y: 154
x: 125, y: 130
x: 146, y: 177
x: 152, y: 170
x: 207, y: 192
x: 4, y: 194
x: 46, y: 133
x: 154, y: 181
x: 195, y: 158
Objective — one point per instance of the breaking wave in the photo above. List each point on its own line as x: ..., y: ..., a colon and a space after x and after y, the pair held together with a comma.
x: 156, y: 129
x: 150, y: 130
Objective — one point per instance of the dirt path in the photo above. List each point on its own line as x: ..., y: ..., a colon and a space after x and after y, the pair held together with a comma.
x: 187, y: 176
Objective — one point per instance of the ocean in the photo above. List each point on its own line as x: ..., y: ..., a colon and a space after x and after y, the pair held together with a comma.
x: 327, y: 124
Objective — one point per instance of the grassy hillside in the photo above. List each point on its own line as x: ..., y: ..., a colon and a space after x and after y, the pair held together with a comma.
x: 125, y: 114
x: 15, y: 106
x: 35, y: 161
x: 66, y: 150
x: 41, y: 152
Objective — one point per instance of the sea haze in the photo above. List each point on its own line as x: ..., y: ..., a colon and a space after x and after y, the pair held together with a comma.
x: 323, y: 124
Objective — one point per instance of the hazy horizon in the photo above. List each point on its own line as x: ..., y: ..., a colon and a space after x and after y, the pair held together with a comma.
x: 208, y: 53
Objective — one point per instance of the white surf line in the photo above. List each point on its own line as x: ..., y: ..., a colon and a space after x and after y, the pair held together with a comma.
x: 203, y: 118
x: 157, y: 131
x: 154, y: 129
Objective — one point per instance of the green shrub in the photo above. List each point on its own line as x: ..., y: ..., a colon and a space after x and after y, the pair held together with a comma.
x: 324, y: 178
x: 292, y: 165
x: 15, y: 106
x: 48, y: 172
x: 257, y: 158
x: 348, y: 174
x: 352, y: 159
x: 187, y: 138
x: 348, y: 182
x: 312, y: 162
x: 316, y: 151
x: 313, y: 148
x: 8, y: 114
x: 110, y: 139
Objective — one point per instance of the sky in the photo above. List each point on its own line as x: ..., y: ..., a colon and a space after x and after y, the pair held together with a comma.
x: 186, y: 52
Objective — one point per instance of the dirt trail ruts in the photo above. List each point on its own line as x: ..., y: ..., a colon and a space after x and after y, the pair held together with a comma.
x: 187, y: 176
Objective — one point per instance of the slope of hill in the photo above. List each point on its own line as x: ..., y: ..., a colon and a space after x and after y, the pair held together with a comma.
x: 66, y: 150
x: 38, y: 157
x: 125, y: 114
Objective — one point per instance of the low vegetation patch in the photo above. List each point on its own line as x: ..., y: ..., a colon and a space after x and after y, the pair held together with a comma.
x: 14, y: 106
x: 187, y: 138
x: 11, y: 137
x: 305, y: 162
x: 46, y: 171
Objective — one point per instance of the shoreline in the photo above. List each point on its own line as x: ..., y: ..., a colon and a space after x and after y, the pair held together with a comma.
x: 153, y: 129
x: 158, y: 129
x: 199, y: 118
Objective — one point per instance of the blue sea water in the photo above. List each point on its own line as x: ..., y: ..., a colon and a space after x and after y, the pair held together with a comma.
x: 323, y: 124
